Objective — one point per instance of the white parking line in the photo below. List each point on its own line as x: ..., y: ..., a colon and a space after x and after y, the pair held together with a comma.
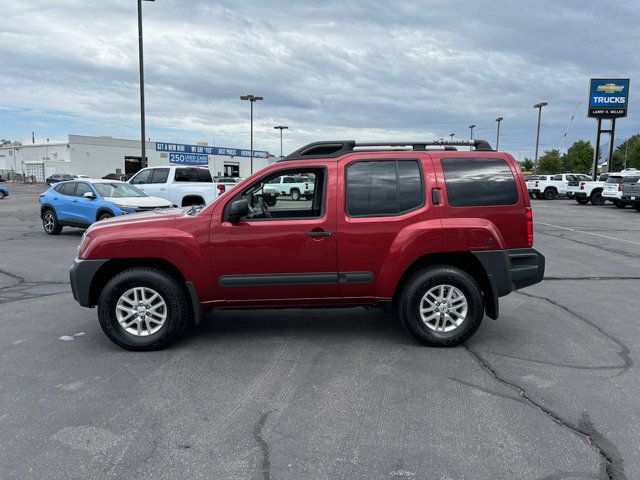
x: 587, y: 233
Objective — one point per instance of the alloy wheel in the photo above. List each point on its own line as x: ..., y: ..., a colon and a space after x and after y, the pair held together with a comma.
x: 141, y: 311
x: 443, y: 308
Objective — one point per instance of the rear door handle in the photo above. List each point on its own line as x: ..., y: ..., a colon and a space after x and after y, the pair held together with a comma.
x: 435, y: 196
x: 314, y: 234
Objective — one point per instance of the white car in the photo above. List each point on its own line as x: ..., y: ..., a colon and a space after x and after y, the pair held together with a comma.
x: 296, y: 187
x: 615, y: 184
x: 550, y: 186
x: 183, y: 186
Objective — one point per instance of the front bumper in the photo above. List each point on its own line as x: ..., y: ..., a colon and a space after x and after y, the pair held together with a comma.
x: 81, y: 274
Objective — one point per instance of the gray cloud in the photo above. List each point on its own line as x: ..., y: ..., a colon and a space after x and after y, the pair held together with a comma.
x: 328, y: 69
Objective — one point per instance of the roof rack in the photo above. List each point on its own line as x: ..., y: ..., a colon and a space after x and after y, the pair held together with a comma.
x: 335, y: 148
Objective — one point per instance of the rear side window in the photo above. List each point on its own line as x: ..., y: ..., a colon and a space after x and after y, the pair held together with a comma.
x: 68, y: 189
x: 382, y: 188
x: 193, y: 175
x: 479, y: 182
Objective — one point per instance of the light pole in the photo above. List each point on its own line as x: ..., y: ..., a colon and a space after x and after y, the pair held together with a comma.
x: 499, y: 119
x: 539, y: 107
x: 471, y: 127
x: 142, y: 133
x: 281, y: 128
x: 252, y: 99
x: 451, y: 135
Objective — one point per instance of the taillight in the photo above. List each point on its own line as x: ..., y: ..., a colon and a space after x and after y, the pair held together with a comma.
x: 221, y: 189
x: 619, y: 187
x: 537, y: 183
x: 306, y: 186
x: 529, y: 227
x: 581, y: 185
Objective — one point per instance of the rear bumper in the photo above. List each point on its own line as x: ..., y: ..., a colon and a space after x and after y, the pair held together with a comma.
x: 81, y: 275
x: 509, y: 270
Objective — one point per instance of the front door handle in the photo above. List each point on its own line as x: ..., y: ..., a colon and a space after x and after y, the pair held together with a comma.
x: 435, y: 196
x: 319, y: 233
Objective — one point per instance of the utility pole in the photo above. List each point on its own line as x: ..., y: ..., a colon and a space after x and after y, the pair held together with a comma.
x: 539, y: 107
x: 471, y: 127
x: 252, y: 99
x: 498, y: 120
x: 143, y: 158
x: 281, y: 128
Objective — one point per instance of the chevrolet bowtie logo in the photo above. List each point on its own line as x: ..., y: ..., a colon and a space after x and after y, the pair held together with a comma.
x: 610, y: 88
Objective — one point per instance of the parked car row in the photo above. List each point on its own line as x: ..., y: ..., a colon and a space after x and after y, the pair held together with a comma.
x: 619, y: 188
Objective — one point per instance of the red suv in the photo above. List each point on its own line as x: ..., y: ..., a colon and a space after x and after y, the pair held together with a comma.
x: 438, y: 233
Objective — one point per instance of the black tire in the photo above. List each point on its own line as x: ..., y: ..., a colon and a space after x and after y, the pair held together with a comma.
x: 597, y: 199
x: 50, y: 222
x: 1, y: 195
x: 271, y: 202
x: 104, y: 216
x: 178, y: 313
x: 295, y: 194
x: 417, y: 287
x: 619, y: 204
x: 308, y: 197
x: 582, y: 200
x: 637, y: 206
x: 538, y: 196
x: 550, y: 194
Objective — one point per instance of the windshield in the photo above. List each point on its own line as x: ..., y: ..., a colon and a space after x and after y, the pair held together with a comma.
x: 118, y: 190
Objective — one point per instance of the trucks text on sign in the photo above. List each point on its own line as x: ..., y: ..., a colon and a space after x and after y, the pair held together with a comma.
x: 608, y: 97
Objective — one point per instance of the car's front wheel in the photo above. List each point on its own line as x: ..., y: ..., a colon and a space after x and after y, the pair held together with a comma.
x: 441, y: 306
x: 50, y: 222
x: 143, y: 309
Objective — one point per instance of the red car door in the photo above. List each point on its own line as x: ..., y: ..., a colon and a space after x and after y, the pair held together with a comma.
x: 287, y: 254
x: 386, y: 219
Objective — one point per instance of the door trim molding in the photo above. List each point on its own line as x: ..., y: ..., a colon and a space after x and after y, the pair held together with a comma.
x: 292, y: 279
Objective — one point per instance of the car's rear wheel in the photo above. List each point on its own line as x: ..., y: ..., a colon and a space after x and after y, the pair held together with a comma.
x: 619, y: 204
x: 550, y: 194
x: 538, y: 196
x: 295, y: 194
x: 143, y: 309
x: 1, y: 195
x: 50, y: 222
x: 582, y: 200
x: 597, y: 199
x: 441, y: 306
x: 104, y: 216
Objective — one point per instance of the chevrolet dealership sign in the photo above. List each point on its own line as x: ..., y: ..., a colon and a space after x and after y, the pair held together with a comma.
x: 608, y: 97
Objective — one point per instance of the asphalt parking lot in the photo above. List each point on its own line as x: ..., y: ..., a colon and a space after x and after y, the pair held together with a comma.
x: 548, y: 391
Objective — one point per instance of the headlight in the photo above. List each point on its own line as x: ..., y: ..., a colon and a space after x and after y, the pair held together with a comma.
x: 84, y: 244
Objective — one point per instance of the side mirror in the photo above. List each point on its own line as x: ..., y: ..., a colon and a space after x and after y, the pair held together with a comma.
x: 238, y: 210
x: 89, y: 195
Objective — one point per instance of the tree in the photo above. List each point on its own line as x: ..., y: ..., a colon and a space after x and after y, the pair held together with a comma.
x: 629, y: 150
x: 527, y: 165
x: 580, y: 157
x: 550, y: 162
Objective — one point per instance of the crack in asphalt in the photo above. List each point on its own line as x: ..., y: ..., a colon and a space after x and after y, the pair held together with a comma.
x: 21, y: 289
x: 595, y: 279
x: 613, y: 464
x: 624, y: 349
x: 599, y: 247
x: 264, y: 446
x: 558, y: 364
x: 488, y: 391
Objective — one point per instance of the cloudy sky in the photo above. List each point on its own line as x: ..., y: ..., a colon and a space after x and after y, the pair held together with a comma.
x: 327, y: 69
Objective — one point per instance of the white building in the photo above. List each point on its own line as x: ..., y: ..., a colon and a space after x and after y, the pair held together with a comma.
x: 97, y: 156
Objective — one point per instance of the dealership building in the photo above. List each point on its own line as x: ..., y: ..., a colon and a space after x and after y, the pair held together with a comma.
x: 98, y: 156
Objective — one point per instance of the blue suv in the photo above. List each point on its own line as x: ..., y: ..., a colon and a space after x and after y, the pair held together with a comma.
x: 79, y: 203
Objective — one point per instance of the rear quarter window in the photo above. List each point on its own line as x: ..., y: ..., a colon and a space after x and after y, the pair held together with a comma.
x: 479, y: 182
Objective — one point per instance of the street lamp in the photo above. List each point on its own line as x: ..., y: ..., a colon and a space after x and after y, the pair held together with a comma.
x: 499, y: 119
x: 471, y: 127
x: 539, y: 107
x: 452, y: 135
x: 252, y: 99
x: 142, y: 133
x: 281, y: 128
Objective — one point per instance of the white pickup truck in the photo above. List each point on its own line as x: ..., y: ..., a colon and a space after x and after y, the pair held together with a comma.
x: 589, y: 190
x: 296, y: 187
x: 550, y: 186
x: 183, y: 186
x: 614, y: 186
